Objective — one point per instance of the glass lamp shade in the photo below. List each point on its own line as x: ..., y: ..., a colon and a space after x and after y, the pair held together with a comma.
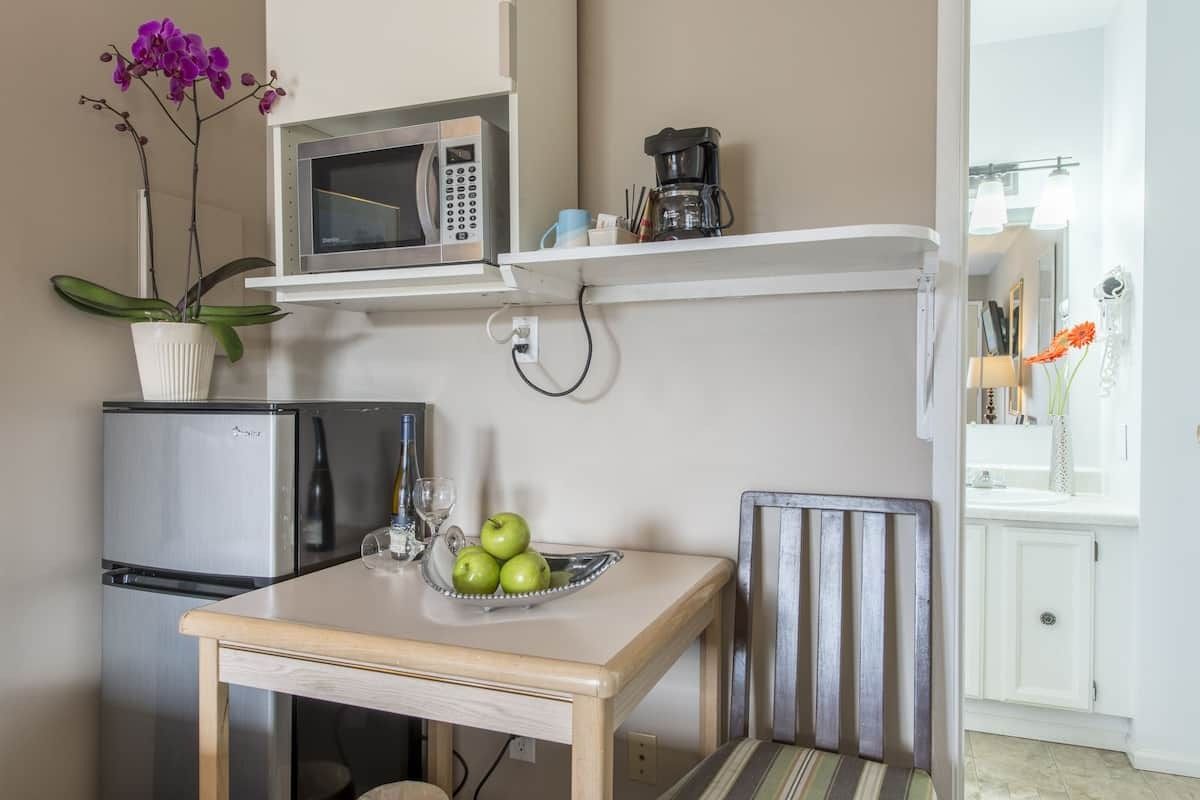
x: 990, y: 214
x: 1057, y: 205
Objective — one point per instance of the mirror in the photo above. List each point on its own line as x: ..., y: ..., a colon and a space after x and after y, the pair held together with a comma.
x: 1017, y: 299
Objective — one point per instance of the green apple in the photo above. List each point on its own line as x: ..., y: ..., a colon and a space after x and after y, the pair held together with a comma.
x: 505, y: 535
x: 559, y: 578
x: 475, y: 572
x: 527, y: 572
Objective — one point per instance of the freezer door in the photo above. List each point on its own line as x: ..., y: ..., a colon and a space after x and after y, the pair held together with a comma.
x: 200, y: 493
x: 148, y: 736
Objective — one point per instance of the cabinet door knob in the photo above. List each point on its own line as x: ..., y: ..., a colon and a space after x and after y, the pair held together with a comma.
x: 1048, y: 618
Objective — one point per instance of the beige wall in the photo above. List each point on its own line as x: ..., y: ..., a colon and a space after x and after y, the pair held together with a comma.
x: 688, y: 403
x: 68, y: 206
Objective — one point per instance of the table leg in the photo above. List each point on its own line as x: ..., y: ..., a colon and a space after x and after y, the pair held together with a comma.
x: 712, y: 666
x: 214, y: 725
x: 439, y: 755
x: 591, y: 748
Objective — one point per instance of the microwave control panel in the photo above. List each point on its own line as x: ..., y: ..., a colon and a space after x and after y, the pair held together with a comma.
x: 461, y: 190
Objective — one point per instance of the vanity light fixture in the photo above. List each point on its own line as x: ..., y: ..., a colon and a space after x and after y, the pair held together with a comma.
x: 991, y: 373
x: 1058, y: 201
x: 990, y: 214
x: 992, y: 181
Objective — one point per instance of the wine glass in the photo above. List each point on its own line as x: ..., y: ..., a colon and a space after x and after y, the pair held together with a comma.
x: 433, y: 499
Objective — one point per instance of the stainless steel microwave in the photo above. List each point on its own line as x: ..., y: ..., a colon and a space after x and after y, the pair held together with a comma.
x: 425, y: 194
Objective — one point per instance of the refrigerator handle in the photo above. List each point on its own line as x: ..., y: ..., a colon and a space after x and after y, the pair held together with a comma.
x: 193, y: 587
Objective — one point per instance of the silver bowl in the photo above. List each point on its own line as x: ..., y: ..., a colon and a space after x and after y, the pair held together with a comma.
x: 437, y: 567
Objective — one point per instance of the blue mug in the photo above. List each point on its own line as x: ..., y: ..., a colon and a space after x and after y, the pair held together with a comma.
x: 571, y: 230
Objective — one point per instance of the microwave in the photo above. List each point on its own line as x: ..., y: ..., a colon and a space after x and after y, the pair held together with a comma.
x: 420, y: 195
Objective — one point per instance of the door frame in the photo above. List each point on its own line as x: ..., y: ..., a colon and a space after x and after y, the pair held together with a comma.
x: 953, y: 54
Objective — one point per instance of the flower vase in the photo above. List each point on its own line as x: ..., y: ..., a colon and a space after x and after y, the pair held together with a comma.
x: 1062, y: 455
x: 174, y: 359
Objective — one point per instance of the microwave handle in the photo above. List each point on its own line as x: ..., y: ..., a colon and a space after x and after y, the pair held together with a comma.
x: 427, y: 191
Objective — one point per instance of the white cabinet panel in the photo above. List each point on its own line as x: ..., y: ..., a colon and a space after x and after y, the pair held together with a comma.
x: 366, y: 55
x: 974, y: 591
x: 1047, y: 588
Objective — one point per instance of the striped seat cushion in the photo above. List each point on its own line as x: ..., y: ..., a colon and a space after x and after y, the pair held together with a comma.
x: 749, y: 769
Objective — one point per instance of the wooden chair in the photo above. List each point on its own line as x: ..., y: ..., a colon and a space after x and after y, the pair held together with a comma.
x: 752, y: 769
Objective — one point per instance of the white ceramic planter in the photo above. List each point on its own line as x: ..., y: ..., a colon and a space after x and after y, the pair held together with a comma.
x: 175, y: 359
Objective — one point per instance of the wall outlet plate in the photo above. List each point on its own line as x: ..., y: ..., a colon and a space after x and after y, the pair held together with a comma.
x: 643, y: 757
x: 523, y: 748
x: 530, y: 356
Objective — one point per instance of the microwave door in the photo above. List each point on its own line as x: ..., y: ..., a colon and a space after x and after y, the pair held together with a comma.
x: 368, y: 201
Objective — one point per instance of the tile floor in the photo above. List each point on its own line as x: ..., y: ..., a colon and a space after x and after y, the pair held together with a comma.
x: 1004, y: 768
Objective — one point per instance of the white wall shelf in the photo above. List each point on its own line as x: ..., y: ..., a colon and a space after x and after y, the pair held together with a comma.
x: 853, y: 258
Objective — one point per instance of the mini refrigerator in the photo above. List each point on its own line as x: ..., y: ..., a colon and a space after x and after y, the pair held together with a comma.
x: 203, y: 501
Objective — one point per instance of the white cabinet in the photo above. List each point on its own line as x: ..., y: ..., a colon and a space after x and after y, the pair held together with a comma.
x: 1046, y: 586
x: 974, y: 588
x: 368, y: 55
x: 1047, y: 616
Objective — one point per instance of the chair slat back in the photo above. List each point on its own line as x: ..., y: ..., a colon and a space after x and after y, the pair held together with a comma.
x: 872, y: 623
x: 829, y: 631
x: 787, y: 644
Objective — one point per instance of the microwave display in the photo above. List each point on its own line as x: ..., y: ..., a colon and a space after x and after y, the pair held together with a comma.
x: 365, y: 201
x: 460, y: 154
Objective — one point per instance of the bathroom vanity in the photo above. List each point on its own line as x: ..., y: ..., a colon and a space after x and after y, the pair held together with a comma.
x: 1048, y: 587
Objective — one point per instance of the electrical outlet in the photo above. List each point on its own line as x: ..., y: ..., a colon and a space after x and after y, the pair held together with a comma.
x: 523, y: 748
x: 530, y: 340
x: 643, y: 757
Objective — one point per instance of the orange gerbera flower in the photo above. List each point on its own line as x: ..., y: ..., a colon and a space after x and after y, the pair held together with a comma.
x: 1051, y: 354
x: 1062, y: 337
x: 1082, y: 334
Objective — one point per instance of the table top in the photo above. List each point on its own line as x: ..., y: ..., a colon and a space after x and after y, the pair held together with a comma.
x: 590, y: 642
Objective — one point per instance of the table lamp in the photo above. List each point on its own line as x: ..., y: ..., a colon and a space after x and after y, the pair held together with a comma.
x: 991, y: 373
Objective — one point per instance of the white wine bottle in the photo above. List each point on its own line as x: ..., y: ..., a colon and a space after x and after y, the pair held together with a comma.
x: 404, y: 543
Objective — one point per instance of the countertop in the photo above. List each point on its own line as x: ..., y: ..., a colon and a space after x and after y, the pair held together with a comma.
x: 1082, y: 509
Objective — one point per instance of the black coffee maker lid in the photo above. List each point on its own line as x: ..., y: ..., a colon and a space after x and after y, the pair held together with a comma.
x: 669, y: 140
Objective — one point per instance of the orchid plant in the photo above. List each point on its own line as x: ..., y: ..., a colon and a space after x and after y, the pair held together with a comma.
x: 163, y: 51
x: 1055, y: 360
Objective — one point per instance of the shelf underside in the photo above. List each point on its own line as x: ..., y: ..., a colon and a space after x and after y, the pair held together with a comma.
x: 848, y: 259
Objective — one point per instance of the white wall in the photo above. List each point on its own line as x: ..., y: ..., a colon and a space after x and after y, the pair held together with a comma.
x: 68, y: 207
x: 1166, y: 735
x: 1123, y: 234
x: 1042, y: 97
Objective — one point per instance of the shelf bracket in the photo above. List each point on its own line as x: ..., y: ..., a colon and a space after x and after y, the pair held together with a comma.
x: 545, y: 287
x: 926, y: 337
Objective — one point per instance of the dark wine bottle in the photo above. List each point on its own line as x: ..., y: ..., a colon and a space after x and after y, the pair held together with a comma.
x: 404, y: 517
x: 318, y: 526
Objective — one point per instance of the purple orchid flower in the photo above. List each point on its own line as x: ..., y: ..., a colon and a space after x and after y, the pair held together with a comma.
x: 267, y: 100
x: 248, y: 79
x: 121, y: 75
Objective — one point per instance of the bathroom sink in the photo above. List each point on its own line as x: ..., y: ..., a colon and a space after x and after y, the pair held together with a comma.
x: 1014, y: 497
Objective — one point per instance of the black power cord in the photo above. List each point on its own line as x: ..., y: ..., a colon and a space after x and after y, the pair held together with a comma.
x: 466, y: 774
x: 587, y: 365
x: 495, y: 764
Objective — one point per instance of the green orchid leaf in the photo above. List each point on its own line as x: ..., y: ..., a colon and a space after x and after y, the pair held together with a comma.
x: 99, y: 309
x: 102, y: 299
x: 236, y: 267
x: 241, y: 322
x: 227, y: 337
x: 237, y: 311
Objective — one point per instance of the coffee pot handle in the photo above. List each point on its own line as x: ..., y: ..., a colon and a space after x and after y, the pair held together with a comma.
x: 716, y: 193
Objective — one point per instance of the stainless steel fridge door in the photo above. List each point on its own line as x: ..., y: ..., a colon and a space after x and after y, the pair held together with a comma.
x: 201, y: 493
x: 148, y: 736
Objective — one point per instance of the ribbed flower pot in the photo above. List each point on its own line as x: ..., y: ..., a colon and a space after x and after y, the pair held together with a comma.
x: 175, y: 359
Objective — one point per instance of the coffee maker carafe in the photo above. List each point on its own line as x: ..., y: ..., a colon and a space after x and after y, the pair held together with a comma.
x: 687, y: 201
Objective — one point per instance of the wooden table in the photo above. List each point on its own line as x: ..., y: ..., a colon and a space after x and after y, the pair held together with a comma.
x: 568, y: 671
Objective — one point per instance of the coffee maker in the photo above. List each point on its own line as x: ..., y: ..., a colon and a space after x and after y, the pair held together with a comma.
x: 687, y: 201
